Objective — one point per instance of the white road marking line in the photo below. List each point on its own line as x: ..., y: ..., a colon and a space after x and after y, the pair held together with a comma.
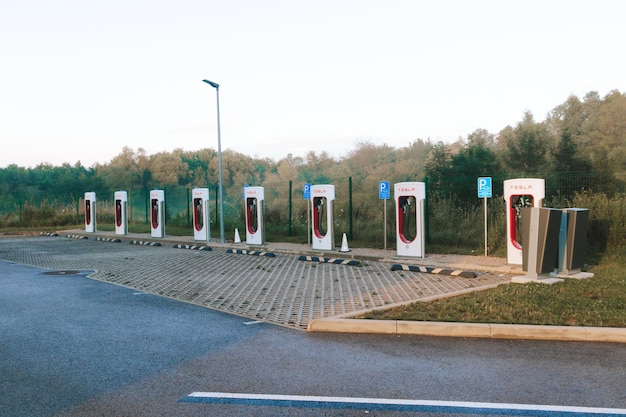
x: 463, y: 407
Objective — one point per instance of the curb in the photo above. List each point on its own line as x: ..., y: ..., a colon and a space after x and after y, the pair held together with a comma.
x: 479, y: 330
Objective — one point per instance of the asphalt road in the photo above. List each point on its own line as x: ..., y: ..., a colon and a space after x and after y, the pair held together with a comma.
x: 73, y: 346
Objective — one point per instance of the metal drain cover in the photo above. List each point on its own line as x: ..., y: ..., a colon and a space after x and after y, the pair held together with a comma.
x: 62, y: 272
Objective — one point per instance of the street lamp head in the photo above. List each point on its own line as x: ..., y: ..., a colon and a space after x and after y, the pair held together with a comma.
x: 212, y: 84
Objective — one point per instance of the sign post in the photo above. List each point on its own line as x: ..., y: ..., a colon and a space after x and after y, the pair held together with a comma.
x: 484, y: 192
x: 384, y: 194
x: 306, y: 194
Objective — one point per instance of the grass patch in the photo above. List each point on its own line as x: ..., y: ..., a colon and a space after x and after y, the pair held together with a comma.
x: 596, y: 302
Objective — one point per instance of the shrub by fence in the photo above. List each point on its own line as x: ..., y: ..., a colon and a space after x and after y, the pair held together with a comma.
x: 455, y: 214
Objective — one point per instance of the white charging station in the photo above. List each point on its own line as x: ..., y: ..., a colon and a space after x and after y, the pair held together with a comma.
x: 121, y: 212
x: 410, y: 198
x: 201, y: 220
x: 157, y: 213
x: 90, y: 212
x: 322, y: 202
x: 254, y: 199
x: 520, y: 193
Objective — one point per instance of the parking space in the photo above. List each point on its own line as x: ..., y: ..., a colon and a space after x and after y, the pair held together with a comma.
x: 282, y: 290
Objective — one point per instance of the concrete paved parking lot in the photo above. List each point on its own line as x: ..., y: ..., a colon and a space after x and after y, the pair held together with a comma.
x: 282, y: 289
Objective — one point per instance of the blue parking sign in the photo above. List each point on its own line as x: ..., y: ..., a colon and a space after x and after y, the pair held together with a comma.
x: 484, y: 187
x: 306, y: 193
x: 383, y: 190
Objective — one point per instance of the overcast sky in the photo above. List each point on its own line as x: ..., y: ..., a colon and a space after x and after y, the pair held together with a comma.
x: 79, y: 80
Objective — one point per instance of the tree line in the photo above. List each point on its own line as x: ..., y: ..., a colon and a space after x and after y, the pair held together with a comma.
x: 579, y: 136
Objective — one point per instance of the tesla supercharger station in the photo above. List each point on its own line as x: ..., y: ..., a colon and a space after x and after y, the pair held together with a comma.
x: 254, y: 199
x: 90, y: 212
x: 410, y: 234
x: 121, y: 215
x: 519, y: 193
x: 157, y: 213
x: 201, y: 222
x: 322, y: 201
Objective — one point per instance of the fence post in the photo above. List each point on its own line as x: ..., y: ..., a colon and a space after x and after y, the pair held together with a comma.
x: 216, y: 202
x: 147, y: 203
x: 426, y: 216
x: 350, y: 204
x: 188, y: 207
x: 290, y: 205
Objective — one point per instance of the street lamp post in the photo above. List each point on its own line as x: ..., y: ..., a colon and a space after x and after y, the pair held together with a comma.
x: 219, y: 159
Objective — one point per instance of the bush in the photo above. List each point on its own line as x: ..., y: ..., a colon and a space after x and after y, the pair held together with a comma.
x: 453, y: 226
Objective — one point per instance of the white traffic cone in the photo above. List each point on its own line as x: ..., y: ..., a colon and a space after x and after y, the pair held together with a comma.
x: 344, y: 244
x: 237, y: 238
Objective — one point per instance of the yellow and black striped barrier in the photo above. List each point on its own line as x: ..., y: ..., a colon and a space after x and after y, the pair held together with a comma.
x: 108, y: 239
x: 251, y: 252
x: 77, y: 237
x: 144, y: 243
x: 192, y: 247
x: 431, y: 270
x: 321, y: 259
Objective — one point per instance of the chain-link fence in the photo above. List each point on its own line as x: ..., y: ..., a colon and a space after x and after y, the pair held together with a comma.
x: 454, y: 211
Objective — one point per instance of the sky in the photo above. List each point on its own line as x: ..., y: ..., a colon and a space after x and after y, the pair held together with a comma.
x: 81, y: 80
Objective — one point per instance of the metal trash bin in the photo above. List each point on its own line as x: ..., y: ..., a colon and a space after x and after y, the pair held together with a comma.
x: 573, y: 243
x: 540, y: 228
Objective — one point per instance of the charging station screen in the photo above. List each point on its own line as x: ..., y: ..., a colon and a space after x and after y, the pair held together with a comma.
x: 155, y: 213
x: 518, y: 202
x: 407, y: 224
x: 118, y: 213
x: 319, y: 216
x: 251, y: 213
x: 198, y: 220
x: 88, y: 212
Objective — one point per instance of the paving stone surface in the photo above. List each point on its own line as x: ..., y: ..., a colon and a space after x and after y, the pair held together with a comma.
x: 282, y: 289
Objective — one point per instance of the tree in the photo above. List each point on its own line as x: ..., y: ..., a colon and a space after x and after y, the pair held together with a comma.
x: 569, y: 116
x: 317, y: 168
x: 123, y: 171
x: 369, y: 162
x: 167, y: 169
x: 610, y: 129
x: 527, y: 148
x: 565, y: 156
x: 439, y: 166
x: 410, y: 161
x: 12, y: 178
x: 478, y: 157
x: 286, y: 171
x: 455, y: 174
x: 566, y: 164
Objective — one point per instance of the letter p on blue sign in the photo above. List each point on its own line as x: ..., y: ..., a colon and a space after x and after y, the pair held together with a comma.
x: 383, y: 190
x: 484, y: 187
